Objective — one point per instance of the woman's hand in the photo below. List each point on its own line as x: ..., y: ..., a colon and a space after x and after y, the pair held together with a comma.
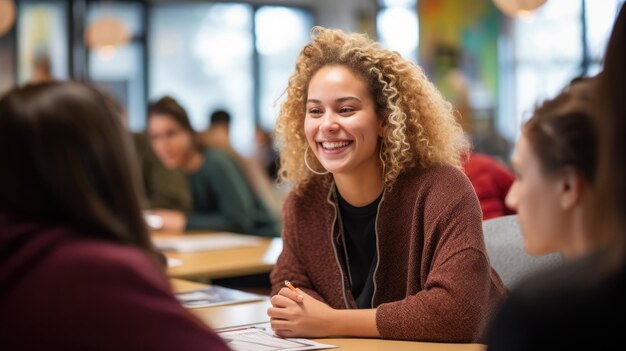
x: 296, y: 314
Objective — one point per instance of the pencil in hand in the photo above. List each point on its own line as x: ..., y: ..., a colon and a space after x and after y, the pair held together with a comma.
x: 293, y: 288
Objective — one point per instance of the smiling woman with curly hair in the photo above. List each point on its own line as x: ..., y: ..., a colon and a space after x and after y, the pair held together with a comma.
x: 419, y: 124
x: 382, y: 232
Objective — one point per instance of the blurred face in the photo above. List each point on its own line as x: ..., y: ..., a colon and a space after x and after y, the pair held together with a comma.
x: 341, y: 124
x: 536, y: 197
x: 170, y: 141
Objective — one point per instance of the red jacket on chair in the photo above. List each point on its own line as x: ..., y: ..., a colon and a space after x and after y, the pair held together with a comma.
x: 491, y: 181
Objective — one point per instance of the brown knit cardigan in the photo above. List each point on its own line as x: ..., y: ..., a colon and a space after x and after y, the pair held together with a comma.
x: 433, y: 281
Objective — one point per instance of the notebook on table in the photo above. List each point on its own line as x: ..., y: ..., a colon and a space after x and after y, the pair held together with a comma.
x: 216, y: 296
x: 262, y: 338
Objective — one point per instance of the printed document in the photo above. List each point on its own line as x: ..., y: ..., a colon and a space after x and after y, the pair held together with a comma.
x: 260, y: 339
x: 216, y: 296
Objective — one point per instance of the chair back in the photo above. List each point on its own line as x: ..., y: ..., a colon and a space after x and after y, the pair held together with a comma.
x: 505, y: 248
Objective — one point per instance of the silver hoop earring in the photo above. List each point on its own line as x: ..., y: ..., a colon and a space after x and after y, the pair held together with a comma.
x: 380, y: 156
x: 307, y: 162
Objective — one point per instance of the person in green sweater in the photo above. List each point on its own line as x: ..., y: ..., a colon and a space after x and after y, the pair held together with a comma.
x: 222, y: 199
x: 165, y: 188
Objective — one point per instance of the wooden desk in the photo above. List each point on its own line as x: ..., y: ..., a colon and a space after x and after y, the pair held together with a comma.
x: 229, y: 316
x: 396, y: 345
x: 226, y: 262
x: 256, y: 312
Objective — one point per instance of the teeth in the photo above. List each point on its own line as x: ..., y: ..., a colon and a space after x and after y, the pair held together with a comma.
x: 334, y: 144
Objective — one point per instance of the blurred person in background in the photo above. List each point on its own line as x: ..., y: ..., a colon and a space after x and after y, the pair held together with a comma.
x: 222, y: 198
x: 78, y: 270
x: 491, y: 179
x: 265, y: 187
x: 42, y: 67
x: 164, y: 188
x: 218, y: 132
x: 265, y: 152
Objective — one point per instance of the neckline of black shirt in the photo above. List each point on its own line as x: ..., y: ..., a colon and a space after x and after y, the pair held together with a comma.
x: 359, y: 236
x: 361, y: 211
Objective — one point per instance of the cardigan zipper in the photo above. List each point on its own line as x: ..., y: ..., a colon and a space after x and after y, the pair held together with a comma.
x: 377, y: 247
x: 342, y: 234
x: 332, y: 240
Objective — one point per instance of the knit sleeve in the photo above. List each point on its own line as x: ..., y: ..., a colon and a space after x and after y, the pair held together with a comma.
x: 458, y: 289
x: 288, y: 266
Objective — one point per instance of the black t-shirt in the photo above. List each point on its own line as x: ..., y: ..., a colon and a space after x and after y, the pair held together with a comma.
x: 359, y: 227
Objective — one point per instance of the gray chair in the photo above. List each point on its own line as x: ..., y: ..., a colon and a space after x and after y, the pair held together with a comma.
x: 505, y: 248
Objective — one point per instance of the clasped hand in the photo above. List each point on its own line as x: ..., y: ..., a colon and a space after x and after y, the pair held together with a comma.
x: 297, y: 314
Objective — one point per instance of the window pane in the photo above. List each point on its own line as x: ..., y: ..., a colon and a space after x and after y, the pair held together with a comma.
x: 600, y: 19
x: 201, y: 55
x: 42, y: 40
x: 398, y: 30
x: 120, y: 70
x: 552, y: 77
x: 553, y: 32
x: 547, y: 55
x: 281, y: 33
x: 403, y: 3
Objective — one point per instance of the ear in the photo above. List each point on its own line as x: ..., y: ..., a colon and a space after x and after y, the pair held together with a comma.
x: 572, y: 187
x: 382, y: 128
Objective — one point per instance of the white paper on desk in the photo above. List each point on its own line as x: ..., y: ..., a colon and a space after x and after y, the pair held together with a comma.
x: 257, y: 339
x: 216, y: 296
x: 174, y: 262
x: 273, y: 251
x: 205, y: 242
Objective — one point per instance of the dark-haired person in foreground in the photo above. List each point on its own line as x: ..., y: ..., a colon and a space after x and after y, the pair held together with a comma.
x: 77, y: 270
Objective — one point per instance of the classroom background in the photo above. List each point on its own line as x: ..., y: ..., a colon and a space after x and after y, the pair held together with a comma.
x: 493, y: 63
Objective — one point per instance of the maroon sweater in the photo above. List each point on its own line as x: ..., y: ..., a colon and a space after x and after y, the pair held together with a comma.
x: 62, y: 292
x: 433, y: 281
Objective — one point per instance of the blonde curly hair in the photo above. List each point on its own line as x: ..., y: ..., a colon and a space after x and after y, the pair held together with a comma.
x: 420, y: 126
